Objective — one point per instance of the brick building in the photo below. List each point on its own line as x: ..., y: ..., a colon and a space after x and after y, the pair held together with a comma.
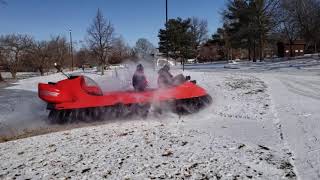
x: 297, y: 48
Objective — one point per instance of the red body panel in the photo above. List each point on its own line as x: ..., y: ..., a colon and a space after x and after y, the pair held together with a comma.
x: 74, y: 94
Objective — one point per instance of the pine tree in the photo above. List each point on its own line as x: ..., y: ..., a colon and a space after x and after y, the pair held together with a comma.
x: 177, y: 39
x: 249, y: 22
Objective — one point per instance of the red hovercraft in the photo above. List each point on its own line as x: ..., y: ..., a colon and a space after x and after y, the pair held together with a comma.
x: 80, y: 98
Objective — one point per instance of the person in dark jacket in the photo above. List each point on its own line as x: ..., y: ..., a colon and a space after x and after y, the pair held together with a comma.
x: 139, y: 80
x: 166, y: 79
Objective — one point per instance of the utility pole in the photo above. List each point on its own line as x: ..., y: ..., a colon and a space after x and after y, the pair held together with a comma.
x: 71, y: 50
x: 167, y: 30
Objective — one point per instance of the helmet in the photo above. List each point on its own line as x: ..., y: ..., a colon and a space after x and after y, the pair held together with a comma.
x: 139, y: 67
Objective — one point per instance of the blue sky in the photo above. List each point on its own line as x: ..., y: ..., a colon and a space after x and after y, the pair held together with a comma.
x: 132, y: 19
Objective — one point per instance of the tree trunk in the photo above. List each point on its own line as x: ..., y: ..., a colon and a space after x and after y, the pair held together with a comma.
x: 102, y: 68
x: 254, y: 51
x: 315, y: 47
x: 261, y: 48
x: 41, y: 71
x: 249, y: 51
x: 1, y: 79
x: 14, y: 74
x: 291, y: 51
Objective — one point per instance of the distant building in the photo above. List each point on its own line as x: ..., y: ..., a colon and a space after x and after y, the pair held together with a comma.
x: 213, y: 52
x: 295, y: 49
x: 208, y: 52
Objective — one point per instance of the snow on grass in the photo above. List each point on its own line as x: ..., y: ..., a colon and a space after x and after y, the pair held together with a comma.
x: 235, y: 137
x: 261, y: 126
x: 140, y: 150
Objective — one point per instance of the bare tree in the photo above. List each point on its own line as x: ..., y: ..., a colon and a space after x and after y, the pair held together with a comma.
x: 199, y: 27
x: 41, y: 56
x: 287, y: 25
x: 120, y: 50
x: 118, y: 46
x: 2, y: 2
x: 144, y: 48
x: 83, y: 56
x: 14, y: 47
x: 299, y: 19
x: 307, y: 16
x: 100, y: 38
x: 59, y: 48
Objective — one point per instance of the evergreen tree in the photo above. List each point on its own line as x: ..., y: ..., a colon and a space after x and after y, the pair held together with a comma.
x: 249, y: 22
x: 177, y: 39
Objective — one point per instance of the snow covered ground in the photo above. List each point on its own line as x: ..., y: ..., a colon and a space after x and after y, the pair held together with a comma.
x: 262, y: 125
x: 297, y: 101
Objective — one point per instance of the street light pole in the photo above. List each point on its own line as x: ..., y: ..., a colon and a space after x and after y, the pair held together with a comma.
x: 166, y: 11
x: 71, y: 50
x: 167, y: 30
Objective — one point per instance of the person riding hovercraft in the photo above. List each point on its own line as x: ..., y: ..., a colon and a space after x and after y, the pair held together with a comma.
x: 139, y: 80
x: 80, y: 98
x: 166, y: 79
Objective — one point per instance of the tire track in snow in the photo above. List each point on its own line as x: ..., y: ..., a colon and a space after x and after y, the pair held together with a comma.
x: 279, y: 127
x: 297, y: 126
x: 302, y: 88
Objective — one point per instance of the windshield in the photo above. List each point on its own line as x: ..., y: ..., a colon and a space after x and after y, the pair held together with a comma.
x: 91, y: 87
